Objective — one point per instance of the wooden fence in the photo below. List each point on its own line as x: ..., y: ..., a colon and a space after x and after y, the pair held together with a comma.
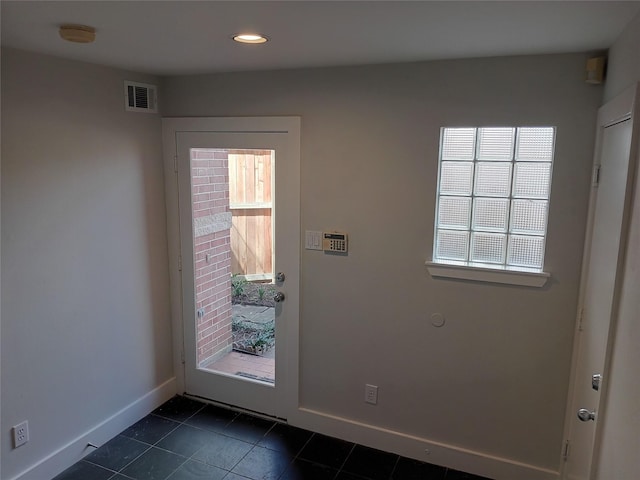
x: 250, y: 201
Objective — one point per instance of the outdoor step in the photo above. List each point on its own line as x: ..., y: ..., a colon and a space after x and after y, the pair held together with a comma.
x: 253, y: 313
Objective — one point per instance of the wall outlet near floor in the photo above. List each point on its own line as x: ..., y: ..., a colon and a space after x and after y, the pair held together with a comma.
x: 20, y: 434
x: 371, y: 394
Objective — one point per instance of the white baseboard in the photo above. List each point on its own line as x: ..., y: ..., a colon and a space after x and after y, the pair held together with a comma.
x: 375, y: 437
x: 76, y: 449
x: 419, y: 448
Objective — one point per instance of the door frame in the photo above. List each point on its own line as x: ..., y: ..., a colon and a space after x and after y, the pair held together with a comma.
x: 289, y: 125
x: 625, y: 106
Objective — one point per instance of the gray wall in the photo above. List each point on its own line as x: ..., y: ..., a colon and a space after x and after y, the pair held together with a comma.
x: 86, y: 328
x: 623, y: 67
x: 620, y: 435
x: 494, y: 379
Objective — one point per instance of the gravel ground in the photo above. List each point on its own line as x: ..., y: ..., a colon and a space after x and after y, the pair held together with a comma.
x: 253, y: 293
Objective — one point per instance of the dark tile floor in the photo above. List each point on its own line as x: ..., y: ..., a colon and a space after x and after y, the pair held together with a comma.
x: 188, y: 440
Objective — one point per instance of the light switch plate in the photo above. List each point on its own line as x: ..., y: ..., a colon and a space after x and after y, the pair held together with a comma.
x: 313, y: 240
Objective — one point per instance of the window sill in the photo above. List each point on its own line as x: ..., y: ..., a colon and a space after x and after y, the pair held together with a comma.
x: 487, y: 274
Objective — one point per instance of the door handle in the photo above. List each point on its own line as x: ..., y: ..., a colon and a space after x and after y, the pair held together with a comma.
x: 585, y: 415
x: 278, y: 297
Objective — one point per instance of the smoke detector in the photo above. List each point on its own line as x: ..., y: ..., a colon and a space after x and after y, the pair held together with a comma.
x: 77, y: 33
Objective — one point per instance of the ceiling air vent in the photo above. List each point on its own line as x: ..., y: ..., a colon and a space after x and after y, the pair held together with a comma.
x: 140, y: 97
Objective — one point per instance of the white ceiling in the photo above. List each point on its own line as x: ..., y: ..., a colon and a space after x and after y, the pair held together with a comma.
x: 185, y: 37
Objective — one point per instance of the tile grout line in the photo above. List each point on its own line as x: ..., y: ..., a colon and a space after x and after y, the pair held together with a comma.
x: 97, y: 465
x: 395, y: 465
x: 353, y: 447
x: 178, y: 467
x: 297, y: 455
x: 149, y: 447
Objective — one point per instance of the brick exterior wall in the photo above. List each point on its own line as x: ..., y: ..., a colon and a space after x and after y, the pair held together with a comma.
x: 212, y: 250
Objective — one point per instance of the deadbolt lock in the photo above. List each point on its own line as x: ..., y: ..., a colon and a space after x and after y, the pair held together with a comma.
x: 596, y: 379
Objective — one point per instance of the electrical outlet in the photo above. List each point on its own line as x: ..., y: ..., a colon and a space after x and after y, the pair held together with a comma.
x: 20, y: 434
x: 371, y: 394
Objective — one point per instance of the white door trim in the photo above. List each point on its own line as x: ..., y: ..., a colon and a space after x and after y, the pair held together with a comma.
x: 170, y: 129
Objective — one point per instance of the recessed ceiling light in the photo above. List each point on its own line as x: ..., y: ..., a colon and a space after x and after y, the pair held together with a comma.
x: 78, y: 33
x: 250, y: 38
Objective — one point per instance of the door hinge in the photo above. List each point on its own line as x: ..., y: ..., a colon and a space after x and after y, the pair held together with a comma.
x: 182, y: 357
x: 595, y: 177
x: 179, y: 263
x: 565, y: 451
x: 580, y: 319
x: 175, y: 163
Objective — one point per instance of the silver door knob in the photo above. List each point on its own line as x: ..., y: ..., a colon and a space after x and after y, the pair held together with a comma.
x: 280, y: 277
x: 585, y: 415
x: 278, y: 297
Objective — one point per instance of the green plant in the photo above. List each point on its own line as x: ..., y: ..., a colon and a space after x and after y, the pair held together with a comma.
x: 265, y: 338
x: 261, y: 292
x: 259, y: 343
x: 238, y: 284
x: 252, y: 337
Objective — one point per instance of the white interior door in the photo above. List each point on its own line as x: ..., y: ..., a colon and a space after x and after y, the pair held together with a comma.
x: 599, y: 293
x: 241, y: 355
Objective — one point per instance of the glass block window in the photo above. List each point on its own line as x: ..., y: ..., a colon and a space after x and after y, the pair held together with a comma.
x: 493, y: 196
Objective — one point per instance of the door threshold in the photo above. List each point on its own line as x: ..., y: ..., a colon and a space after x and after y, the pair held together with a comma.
x: 235, y: 408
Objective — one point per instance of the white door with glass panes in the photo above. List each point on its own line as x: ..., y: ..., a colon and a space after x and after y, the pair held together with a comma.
x: 239, y: 209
